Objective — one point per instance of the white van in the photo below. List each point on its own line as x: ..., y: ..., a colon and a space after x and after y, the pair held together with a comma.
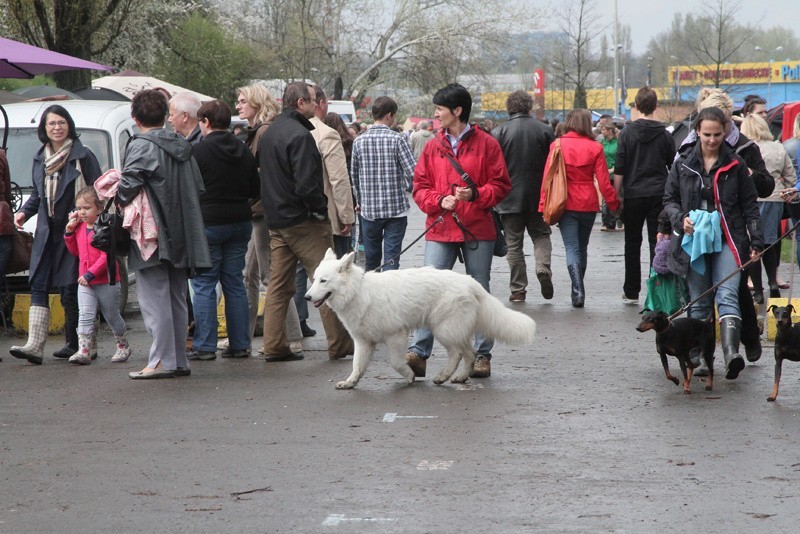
x: 345, y: 109
x: 104, y: 126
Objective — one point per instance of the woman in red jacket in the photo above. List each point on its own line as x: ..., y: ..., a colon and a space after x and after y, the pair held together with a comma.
x: 467, y: 228
x: 584, y: 161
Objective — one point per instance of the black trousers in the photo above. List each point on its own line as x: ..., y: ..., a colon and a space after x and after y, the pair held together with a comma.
x: 637, y: 211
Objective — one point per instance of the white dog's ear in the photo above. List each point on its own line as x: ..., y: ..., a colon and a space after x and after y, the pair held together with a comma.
x: 347, y: 261
x: 329, y: 255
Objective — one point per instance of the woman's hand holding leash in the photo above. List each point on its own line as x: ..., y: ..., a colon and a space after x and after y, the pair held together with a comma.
x: 449, y: 202
x: 688, y: 226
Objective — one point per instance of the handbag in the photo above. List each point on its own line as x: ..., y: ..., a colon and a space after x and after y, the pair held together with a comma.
x: 500, y: 245
x: 21, y: 247
x: 665, y: 292
x: 554, y: 186
x: 110, y: 237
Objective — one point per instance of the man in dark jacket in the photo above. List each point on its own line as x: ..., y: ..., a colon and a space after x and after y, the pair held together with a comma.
x: 296, y: 211
x: 645, y: 151
x: 525, y: 142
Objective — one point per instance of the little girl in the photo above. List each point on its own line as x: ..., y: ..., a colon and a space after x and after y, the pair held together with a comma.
x: 93, y: 287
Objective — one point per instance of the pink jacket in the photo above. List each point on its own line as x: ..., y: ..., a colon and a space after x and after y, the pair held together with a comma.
x: 137, y: 217
x: 90, y: 259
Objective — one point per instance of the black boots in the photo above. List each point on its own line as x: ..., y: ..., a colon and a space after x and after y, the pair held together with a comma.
x: 576, y: 276
x: 729, y: 330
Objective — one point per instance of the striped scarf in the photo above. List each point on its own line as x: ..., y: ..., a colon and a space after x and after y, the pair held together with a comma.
x: 53, y: 163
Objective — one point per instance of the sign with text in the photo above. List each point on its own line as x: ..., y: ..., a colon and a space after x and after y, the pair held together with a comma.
x: 735, y: 73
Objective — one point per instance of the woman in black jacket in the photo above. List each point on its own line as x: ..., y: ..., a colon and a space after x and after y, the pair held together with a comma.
x: 710, y: 186
x: 231, y: 178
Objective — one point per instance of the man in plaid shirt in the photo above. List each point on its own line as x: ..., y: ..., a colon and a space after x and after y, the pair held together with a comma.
x: 382, y: 168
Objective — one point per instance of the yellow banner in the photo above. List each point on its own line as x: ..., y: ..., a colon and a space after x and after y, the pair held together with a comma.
x: 735, y: 73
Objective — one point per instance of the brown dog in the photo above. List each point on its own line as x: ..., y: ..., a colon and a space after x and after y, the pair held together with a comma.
x: 677, y: 338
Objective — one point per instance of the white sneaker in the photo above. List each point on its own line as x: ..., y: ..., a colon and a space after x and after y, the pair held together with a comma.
x: 222, y: 344
x: 628, y: 300
x: 296, y: 346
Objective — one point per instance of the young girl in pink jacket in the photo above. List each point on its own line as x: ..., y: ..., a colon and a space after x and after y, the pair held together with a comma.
x: 93, y: 288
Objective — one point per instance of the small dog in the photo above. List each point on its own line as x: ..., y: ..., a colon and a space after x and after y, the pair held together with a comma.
x: 384, y: 307
x: 787, y: 342
x: 677, y: 338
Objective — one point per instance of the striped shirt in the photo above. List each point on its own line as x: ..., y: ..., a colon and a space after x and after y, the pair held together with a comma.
x: 382, y: 168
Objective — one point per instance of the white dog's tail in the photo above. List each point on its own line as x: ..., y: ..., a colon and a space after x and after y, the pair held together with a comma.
x: 498, y: 322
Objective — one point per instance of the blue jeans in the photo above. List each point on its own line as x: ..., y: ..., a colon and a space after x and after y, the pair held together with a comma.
x: 718, y: 266
x: 478, y: 264
x: 227, y: 244
x: 771, y: 215
x: 576, y: 228
x: 387, y: 232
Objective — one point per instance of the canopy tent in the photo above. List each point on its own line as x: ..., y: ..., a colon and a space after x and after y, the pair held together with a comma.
x: 130, y: 85
x: 20, y: 60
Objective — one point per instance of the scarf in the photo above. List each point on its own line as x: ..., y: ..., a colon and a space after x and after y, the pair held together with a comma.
x: 53, y: 163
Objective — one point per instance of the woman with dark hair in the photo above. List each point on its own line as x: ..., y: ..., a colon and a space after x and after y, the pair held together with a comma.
x: 159, y: 163
x: 710, y: 196
x: 335, y: 121
x: 584, y: 161
x: 61, y: 168
x: 230, y: 176
x: 467, y: 229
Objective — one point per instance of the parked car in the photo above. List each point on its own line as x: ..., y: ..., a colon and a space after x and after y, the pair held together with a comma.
x: 104, y: 126
x: 345, y: 109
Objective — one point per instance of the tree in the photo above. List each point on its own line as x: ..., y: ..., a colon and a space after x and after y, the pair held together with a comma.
x: 353, y: 45
x: 200, y: 55
x: 89, y: 29
x: 579, y: 21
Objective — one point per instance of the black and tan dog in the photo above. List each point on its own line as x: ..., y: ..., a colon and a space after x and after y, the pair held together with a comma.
x: 677, y: 338
x: 787, y: 342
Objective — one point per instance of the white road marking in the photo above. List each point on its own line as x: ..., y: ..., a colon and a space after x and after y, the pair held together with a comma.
x: 426, y: 465
x: 390, y: 417
x: 334, y: 520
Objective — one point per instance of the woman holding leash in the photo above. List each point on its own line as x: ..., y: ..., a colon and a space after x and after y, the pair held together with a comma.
x: 584, y: 161
x: 710, y: 198
x: 467, y: 230
x: 61, y: 168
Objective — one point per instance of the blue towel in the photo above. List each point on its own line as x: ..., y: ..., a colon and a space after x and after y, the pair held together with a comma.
x: 706, y: 239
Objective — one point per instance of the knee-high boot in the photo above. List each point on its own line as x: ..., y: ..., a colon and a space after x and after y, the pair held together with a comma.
x: 578, y: 295
x: 69, y: 301
x: 38, y: 324
x: 729, y: 331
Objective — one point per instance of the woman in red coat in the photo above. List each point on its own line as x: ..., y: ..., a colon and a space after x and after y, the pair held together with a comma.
x: 467, y: 228
x: 584, y: 161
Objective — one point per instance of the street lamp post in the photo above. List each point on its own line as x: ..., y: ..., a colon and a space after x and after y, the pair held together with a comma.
x: 649, y: 71
x: 769, y: 76
x: 677, y: 79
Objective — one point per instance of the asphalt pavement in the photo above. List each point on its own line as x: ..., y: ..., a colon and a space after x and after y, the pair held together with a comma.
x: 579, y: 432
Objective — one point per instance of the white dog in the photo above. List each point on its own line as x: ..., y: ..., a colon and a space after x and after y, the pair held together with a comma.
x: 384, y: 307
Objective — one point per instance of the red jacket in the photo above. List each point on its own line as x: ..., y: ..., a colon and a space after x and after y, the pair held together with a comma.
x: 480, y: 156
x: 584, y: 161
x: 79, y: 243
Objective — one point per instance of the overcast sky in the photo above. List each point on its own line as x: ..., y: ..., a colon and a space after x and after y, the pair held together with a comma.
x: 647, y: 18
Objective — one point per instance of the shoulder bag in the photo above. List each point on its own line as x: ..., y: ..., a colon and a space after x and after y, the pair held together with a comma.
x: 110, y: 237
x: 500, y: 245
x: 554, y: 186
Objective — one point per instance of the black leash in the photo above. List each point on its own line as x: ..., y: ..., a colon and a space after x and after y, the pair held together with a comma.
x: 734, y: 273
x: 392, y: 261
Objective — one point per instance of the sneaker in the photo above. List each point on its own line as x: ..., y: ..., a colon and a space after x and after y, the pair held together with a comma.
x: 482, y: 369
x: 222, y: 344
x: 629, y: 300
x: 231, y: 353
x: 517, y: 296
x: 417, y: 364
x: 294, y: 346
x: 201, y: 355
x: 546, y: 283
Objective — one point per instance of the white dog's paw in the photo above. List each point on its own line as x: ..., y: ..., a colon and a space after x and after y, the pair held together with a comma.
x: 460, y: 378
x: 345, y: 384
x: 440, y: 379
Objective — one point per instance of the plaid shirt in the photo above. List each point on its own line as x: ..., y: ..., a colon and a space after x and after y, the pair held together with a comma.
x: 382, y: 168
